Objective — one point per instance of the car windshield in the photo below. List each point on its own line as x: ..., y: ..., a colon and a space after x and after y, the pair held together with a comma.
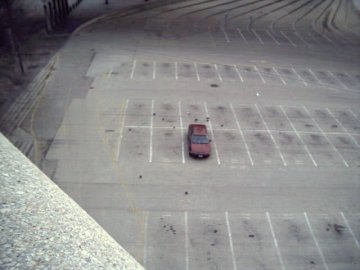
x: 199, y: 139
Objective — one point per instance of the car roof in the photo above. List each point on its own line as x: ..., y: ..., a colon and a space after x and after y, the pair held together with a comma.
x: 199, y: 129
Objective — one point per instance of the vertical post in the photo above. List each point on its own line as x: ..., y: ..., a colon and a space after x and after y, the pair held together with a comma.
x: 51, y: 15
x: 47, y: 19
x: 12, y: 38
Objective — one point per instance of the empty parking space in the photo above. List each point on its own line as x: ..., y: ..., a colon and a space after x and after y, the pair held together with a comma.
x: 266, y: 37
x: 138, y: 113
x: 143, y: 70
x: 335, y: 241
x: 229, y: 72
x: 231, y: 147
x: 326, y: 121
x: 352, y: 222
x: 135, y: 145
x: 253, y: 244
x: 166, y: 114
x: 327, y: 78
x: 297, y: 245
x: 206, y: 71
x: 307, y: 76
x: 167, y: 145
x: 346, y: 79
x: 262, y: 148
x: 347, y: 147
x: 292, y: 148
x: 164, y: 235
x: 275, y: 118
x: 209, y: 243
x: 165, y: 70
x: 300, y: 120
x: 220, y: 35
x: 292, y: 76
x: 249, y: 118
x: 348, y: 120
x: 268, y: 72
x: 123, y: 70
x: 193, y: 112
x: 186, y: 71
x: 234, y: 36
x: 249, y: 36
x: 221, y: 116
x: 322, y: 150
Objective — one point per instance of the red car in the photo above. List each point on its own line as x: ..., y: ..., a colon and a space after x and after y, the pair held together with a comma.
x: 199, y: 144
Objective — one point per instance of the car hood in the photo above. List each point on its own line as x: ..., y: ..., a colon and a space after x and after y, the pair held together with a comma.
x: 203, y: 148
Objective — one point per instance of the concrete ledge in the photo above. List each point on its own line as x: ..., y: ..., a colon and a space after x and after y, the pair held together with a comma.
x: 41, y: 227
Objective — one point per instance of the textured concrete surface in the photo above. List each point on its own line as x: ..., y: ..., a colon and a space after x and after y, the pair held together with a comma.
x: 42, y: 228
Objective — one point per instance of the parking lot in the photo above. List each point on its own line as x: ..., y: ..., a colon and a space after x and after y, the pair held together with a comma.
x: 279, y: 95
x: 196, y: 71
x: 241, y: 134
x: 231, y: 240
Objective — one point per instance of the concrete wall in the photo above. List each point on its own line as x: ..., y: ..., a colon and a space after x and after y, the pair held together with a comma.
x: 43, y: 228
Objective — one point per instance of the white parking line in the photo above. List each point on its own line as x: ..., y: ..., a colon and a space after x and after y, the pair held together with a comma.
x: 257, y: 36
x: 218, y: 73
x: 328, y: 39
x: 146, y: 222
x: 197, y: 72
x: 186, y: 241
x: 154, y: 70
x: 230, y: 240
x: 272, y: 138
x: 285, y: 36
x: 182, y: 133
x: 303, y: 40
x: 314, y: 75
x: 278, y: 252
x: 238, y: 73
x: 121, y: 130
x: 176, y: 70
x: 316, y: 242
x: 242, y: 36
x: 242, y: 134
x: 151, y: 131
x: 350, y: 230
x: 353, y: 114
x: 261, y: 77
x: 300, y: 78
x: 272, y: 37
x: 298, y: 135
x: 278, y: 74
x: 133, y: 70
x: 212, y: 133
x: 109, y: 73
x: 327, y: 138
x: 344, y: 128
x: 338, y: 80
x: 225, y: 34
